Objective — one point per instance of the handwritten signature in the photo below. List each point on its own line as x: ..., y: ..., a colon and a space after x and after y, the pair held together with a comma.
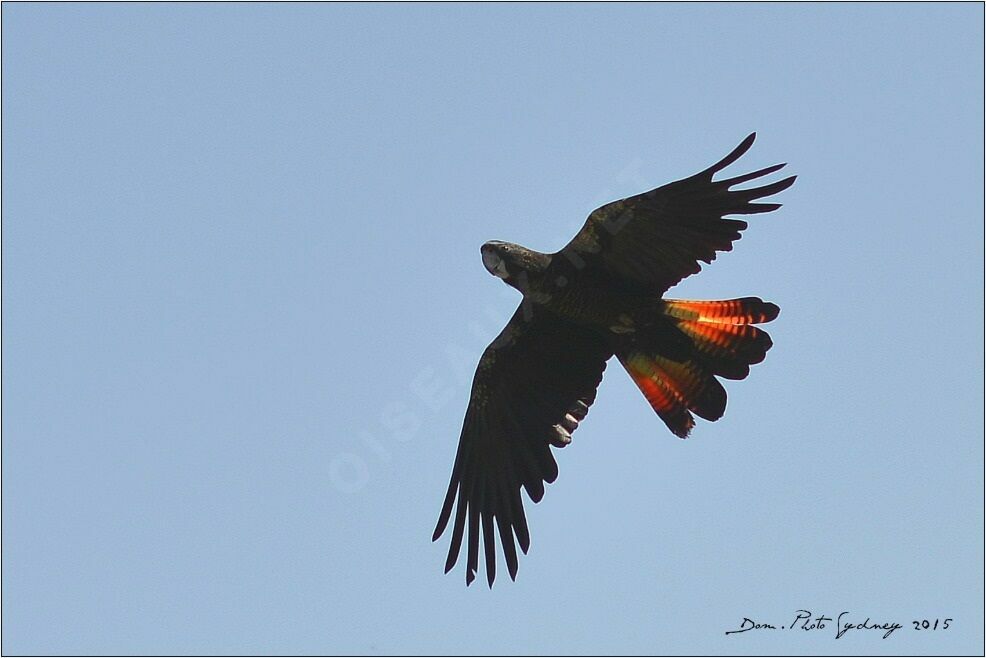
x: 806, y: 621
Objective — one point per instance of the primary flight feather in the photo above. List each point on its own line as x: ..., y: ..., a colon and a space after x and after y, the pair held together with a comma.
x: 600, y: 296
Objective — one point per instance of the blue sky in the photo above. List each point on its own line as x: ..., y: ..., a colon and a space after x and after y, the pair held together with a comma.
x: 243, y: 297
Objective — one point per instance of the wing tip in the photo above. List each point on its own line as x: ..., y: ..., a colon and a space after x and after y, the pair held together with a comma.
x: 733, y: 156
x: 745, y: 145
x: 736, y: 180
x: 451, y: 560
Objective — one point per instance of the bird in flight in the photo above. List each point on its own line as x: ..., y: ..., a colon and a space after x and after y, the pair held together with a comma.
x: 600, y: 296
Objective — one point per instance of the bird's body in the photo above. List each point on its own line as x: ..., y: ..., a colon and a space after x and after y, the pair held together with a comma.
x: 553, y: 284
x: 600, y: 296
x: 590, y: 301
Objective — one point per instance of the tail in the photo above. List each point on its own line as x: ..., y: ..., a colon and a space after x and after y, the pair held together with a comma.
x: 675, y: 361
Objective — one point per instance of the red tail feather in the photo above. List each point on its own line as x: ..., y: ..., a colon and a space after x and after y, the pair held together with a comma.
x: 723, y: 341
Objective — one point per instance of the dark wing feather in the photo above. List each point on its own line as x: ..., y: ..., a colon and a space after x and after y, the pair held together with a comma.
x: 654, y: 240
x: 533, y: 385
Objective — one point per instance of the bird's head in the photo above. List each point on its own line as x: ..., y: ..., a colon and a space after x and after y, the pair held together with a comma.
x: 498, y: 259
x: 512, y: 263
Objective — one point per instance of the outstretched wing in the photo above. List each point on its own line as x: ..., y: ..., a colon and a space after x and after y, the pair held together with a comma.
x: 533, y: 385
x: 654, y: 240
